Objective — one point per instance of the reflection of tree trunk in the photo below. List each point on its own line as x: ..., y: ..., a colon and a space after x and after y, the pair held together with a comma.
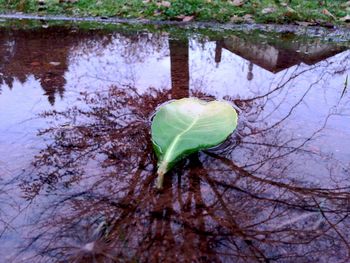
x: 163, y: 237
x: 196, y: 241
x: 218, y: 52
x: 180, y: 75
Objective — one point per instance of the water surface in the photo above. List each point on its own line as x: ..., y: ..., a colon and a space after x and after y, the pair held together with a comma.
x: 77, y: 169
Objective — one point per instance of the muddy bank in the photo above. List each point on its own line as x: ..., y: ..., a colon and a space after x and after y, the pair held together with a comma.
x: 334, y: 33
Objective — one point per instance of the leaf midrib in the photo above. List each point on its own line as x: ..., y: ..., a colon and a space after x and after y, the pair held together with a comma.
x: 177, y: 138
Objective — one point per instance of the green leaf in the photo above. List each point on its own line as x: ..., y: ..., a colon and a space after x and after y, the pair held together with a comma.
x: 188, y: 125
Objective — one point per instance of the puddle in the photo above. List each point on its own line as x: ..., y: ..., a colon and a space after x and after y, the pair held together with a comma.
x: 78, y: 170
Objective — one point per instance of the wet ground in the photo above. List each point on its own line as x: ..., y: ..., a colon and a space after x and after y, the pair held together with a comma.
x: 77, y: 169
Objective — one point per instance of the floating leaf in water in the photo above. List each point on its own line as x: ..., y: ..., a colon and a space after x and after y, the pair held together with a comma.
x: 188, y: 125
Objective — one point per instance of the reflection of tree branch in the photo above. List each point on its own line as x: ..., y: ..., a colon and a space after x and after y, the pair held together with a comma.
x: 335, y: 193
x: 333, y: 226
x: 258, y: 254
x: 226, y: 212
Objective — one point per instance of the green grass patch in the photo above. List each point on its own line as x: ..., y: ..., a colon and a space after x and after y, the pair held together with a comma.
x: 261, y: 11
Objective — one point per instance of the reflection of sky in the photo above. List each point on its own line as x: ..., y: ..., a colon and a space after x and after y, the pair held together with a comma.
x: 121, y: 63
x: 18, y: 120
x: 229, y: 77
x: 111, y: 65
x: 95, y: 68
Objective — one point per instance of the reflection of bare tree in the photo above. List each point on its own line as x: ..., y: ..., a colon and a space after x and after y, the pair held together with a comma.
x: 43, y: 53
x: 252, y: 199
x: 242, y: 202
x: 47, y: 53
x: 180, y: 75
x: 29, y: 52
x: 122, y: 62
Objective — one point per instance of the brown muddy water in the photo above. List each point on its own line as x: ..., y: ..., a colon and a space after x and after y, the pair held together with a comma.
x: 78, y: 170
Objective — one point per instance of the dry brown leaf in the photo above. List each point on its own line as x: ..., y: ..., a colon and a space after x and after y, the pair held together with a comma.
x: 290, y: 10
x: 238, y: 2
x: 187, y: 18
x: 327, y: 13
x: 157, y: 13
x: 165, y: 4
x: 236, y: 19
x: 248, y: 18
x: 268, y: 10
x: 303, y: 23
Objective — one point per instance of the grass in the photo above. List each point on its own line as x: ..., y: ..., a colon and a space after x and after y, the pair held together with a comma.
x: 261, y: 11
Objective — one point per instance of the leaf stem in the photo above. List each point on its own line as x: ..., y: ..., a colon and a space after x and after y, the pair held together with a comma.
x: 162, y: 169
x: 160, y: 180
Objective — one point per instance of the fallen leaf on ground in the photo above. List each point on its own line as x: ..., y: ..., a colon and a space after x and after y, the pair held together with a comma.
x: 302, y: 23
x: 248, y: 18
x: 157, y: 13
x: 238, y: 2
x: 290, y: 10
x: 268, y: 10
x: 236, y: 19
x: 164, y: 4
x: 187, y: 18
x: 345, y: 18
x: 184, y: 18
x: 327, y: 13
